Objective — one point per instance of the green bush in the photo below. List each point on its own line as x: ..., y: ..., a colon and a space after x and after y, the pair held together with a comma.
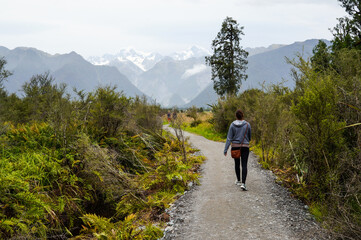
x: 90, y: 167
x: 146, y: 115
x: 108, y: 113
x: 38, y: 191
x: 310, y: 136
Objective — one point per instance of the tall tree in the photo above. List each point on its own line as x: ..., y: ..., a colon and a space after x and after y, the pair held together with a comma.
x: 347, y: 33
x: 353, y: 8
x: 42, y: 97
x: 321, y: 58
x: 228, y: 61
x: 3, y: 73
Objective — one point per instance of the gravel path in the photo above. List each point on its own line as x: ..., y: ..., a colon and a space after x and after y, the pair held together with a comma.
x: 218, y: 209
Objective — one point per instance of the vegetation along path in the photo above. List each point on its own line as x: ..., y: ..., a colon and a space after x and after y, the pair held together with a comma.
x: 218, y: 209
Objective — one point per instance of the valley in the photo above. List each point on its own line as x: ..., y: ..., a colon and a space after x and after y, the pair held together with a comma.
x: 179, y: 80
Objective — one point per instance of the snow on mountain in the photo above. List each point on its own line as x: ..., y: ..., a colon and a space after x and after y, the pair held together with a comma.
x: 143, y: 60
x: 146, y: 61
x: 98, y: 61
x: 194, y: 51
x: 71, y: 69
x: 104, y: 60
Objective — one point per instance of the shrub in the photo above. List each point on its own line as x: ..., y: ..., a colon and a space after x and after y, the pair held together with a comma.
x: 146, y: 115
x: 109, y: 113
x: 39, y: 193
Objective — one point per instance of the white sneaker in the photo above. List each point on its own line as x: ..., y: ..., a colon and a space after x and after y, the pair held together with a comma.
x: 243, y: 187
x: 238, y: 183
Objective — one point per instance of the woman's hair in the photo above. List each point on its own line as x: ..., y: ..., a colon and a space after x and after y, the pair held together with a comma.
x: 239, y: 114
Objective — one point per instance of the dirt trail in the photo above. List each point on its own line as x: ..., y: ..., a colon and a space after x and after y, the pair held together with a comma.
x: 218, y: 209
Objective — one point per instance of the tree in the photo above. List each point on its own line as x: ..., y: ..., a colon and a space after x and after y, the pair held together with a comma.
x: 43, y: 98
x: 353, y: 8
x: 109, y: 112
x: 321, y: 58
x: 347, y: 33
x: 4, y: 74
x: 228, y: 61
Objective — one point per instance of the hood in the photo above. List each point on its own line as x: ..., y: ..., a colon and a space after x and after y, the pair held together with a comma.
x: 239, y: 123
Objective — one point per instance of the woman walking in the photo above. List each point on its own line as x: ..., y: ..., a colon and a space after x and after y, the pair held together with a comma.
x: 239, y: 136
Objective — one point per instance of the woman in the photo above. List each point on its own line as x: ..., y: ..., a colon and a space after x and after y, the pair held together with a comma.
x: 239, y: 136
x: 168, y: 116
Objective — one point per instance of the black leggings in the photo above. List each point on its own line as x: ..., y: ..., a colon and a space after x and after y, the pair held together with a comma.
x: 244, y: 157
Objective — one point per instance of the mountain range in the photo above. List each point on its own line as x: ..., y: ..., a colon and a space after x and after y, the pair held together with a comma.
x: 268, y: 66
x: 181, y: 79
x: 258, y: 50
x: 71, y: 69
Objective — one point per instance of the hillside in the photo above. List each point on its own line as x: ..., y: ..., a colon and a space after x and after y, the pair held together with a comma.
x: 271, y: 66
x: 207, y: 97
x: 169, y: 77
x: 268, y: 67
x: 70, y: 68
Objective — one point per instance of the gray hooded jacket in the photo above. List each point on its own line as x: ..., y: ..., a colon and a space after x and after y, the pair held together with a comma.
x: 236, y: 133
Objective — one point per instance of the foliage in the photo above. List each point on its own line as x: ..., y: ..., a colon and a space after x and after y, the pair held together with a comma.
x: 347, y: 33
x: 224, y: 113
x: 103, y: 228
x: 228, y: 61
x: 193, y: 113
x: 39, y: 191
x: 310, y: 136
x: 146, y: 116
x: 43, y: 99
x: 177, y: 124
x: 203, y: 127
x: 150, y: 194
x: 321, y: 58
x: 271, y: 123
x: 320, y: 134
x: 98, y: 166
x: 206, y: 130
x: 4, y: 74
x: 108, y: 112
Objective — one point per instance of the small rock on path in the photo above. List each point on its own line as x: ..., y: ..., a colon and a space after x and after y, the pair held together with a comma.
x: 218, y: 209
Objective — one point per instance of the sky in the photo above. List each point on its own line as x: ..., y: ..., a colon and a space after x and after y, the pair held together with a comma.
x: 94, y: 28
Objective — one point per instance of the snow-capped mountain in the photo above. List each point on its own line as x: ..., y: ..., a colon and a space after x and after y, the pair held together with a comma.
x: 71, y: 69
x: 194, y: 51
x: 162, y: 77
x: 146, y: 61
x: 142, y: 60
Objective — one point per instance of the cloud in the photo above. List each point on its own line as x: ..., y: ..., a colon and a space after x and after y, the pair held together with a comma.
x: 92, y: 27
x: 284, y: 2
x: 198, y: 68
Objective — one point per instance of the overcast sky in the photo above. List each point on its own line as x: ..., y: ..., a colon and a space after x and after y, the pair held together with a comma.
x: 91, y: 27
